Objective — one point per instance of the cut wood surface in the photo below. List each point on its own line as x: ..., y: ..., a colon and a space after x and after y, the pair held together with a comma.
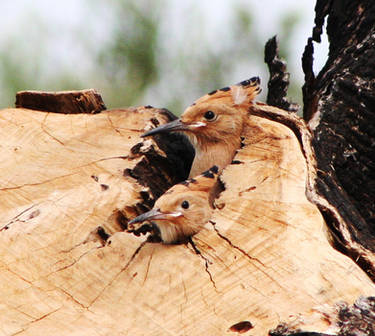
x: 264, y: 258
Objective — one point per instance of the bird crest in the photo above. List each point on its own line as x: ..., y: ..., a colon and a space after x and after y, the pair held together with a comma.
x: 240, y: 94
x: 203, y: 182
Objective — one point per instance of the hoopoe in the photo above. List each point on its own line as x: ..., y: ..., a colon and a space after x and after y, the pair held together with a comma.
x: 214, y: 124
x: 182, y: 210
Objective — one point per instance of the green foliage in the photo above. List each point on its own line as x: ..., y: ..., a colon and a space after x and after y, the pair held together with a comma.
x: 136, y: 62
x: 129, y: 61
x: 24, y: 64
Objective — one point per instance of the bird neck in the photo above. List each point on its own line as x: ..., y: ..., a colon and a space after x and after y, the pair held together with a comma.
x: 208, y: 154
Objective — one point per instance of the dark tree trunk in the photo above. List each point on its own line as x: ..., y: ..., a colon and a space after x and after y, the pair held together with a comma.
x: 339, y: 107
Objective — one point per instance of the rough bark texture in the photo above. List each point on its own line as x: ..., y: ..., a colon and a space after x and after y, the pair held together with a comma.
x: 68, y: 102
x: 340, y: 110
x: 279, y: 79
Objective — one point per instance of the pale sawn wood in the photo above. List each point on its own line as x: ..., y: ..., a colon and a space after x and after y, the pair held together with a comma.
x: 265, y: 257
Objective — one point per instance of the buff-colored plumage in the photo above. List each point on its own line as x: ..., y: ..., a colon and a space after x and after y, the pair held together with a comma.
x: 214, y: 124
x: 182, y: 210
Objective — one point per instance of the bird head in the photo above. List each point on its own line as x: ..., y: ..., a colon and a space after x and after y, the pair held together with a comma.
x: 182, y: 210
x: 215, y: 116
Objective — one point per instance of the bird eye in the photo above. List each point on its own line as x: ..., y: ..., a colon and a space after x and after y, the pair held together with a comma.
x: 185, y: 204
x: 209, y: 115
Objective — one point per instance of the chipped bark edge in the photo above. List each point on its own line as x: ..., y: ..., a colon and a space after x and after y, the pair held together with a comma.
x: 67, y: 102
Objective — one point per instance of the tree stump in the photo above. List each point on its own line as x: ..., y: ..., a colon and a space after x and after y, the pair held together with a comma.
x: 69, y: 184
x: 288, y: 250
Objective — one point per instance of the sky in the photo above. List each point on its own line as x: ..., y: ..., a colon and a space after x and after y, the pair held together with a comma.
x: 66, y: 19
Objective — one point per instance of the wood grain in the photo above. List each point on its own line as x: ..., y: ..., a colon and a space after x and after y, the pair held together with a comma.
x: 264, y: 259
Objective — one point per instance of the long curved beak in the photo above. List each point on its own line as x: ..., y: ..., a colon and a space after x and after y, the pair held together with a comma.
x: 175, y: 125
x: 154, y: 214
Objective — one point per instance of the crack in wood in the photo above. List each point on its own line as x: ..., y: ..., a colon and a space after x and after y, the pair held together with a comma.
x: 42, y: 126
x: 112, y: 125
x: 17, y: 217
x: 234, y: 246
x: 184, y: 287
x: 135, y: 253
x: 18, y: 332
x: 147, y: 269
x: 45, y: 315
x: 64, y: 176
x: 249, y: 257
x: 71, y: 297
x: 74, y: 261
x: 247, y: 190
x: 18, y: 275
x: 206, y: 262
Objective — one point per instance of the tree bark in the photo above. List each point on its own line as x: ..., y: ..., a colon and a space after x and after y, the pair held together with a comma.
x: 84, y: 101
x: 340, y: 110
